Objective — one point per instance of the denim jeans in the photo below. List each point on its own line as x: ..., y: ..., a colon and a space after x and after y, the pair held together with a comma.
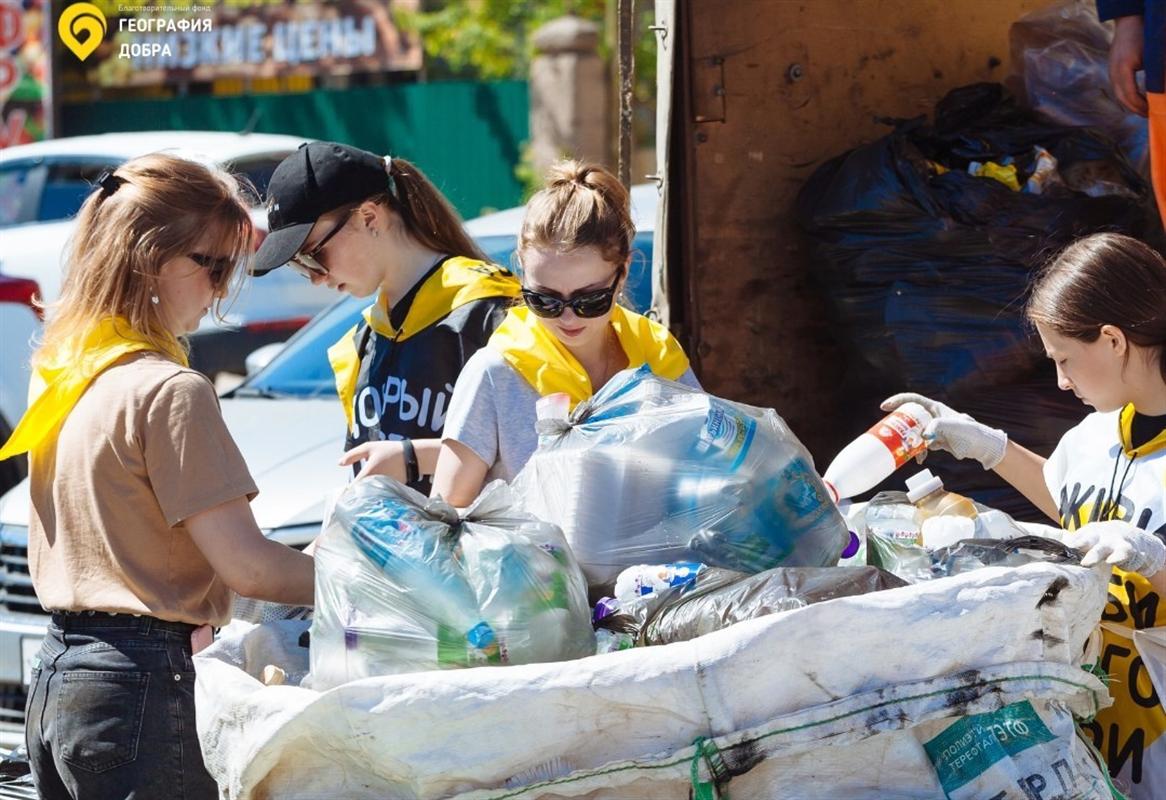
x: 111, y: 711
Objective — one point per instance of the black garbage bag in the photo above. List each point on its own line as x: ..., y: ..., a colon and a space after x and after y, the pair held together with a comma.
x: 926, y: 267
x: 721, y: 597
x: 897, y: 243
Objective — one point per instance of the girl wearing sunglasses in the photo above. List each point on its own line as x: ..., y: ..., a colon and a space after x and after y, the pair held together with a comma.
x: 569, y: 335
x: 140, y: 523
x: 376, y: 227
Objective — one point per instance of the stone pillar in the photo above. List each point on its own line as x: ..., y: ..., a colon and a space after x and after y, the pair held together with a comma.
x: 569, y: 95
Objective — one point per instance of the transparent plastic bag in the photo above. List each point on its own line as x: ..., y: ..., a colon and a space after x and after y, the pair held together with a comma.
x: 650, y: 471
x: 1060, y: 57
x: 405, y: 584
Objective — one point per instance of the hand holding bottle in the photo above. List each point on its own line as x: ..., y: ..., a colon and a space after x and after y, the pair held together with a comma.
x: 955, y: 433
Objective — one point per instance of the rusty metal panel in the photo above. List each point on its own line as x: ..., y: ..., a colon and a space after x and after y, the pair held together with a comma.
x: 772, y: 88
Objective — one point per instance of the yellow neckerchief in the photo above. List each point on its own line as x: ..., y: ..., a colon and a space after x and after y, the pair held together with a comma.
x: 458, y: 281
x: 1125, y: 433
x: 548, y: 366
x: 56, y: 386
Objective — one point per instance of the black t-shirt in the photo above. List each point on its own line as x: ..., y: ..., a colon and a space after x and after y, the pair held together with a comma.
x: 1144, y: 428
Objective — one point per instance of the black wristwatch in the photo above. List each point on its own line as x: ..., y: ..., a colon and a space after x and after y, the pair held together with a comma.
x: 412, y: 468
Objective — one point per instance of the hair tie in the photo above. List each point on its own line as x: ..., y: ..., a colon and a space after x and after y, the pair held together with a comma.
x: 109, y: 183
x: 389, y: 172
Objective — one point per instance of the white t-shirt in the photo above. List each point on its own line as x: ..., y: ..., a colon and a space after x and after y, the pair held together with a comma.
x: 492, y: 412
x: 1088, y: 471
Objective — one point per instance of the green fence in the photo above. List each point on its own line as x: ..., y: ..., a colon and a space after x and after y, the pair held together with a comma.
x: 466, y: 136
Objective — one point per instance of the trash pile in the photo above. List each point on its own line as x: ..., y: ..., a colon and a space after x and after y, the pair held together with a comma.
x: 719, y: 667
x: 925, y: 241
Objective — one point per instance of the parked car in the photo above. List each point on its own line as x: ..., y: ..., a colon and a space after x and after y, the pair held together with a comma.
x: 19, y: 323
x: 42, y: 185
x: 289, y: 425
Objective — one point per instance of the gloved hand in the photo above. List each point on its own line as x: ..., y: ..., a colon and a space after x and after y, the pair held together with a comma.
x: 954, y: 432
x: 1121, y: 544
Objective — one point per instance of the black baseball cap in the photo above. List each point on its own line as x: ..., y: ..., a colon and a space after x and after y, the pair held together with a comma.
x: 318, y: 178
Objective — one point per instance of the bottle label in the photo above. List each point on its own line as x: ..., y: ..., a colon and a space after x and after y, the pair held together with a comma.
x: 901, y: 434
x: 726, y: 433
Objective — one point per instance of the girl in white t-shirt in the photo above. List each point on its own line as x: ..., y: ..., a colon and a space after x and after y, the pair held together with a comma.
x: 1100, y: 311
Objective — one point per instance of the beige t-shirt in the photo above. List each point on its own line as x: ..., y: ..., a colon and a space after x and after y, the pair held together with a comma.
x: 144, y: 448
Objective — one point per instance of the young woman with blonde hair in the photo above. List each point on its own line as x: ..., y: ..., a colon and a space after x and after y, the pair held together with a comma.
x: 570, y: 335
x: 140, y: 526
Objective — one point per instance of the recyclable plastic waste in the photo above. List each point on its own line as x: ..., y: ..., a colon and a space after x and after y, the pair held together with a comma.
x: 942, y: 534
x: 938, y: 674
x: 711, y: 599
x: 889, y: 444
x: 404, y: 583
x: 648, y: 471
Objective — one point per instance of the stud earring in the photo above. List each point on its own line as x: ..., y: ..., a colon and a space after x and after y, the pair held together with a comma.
x: 154, y: 298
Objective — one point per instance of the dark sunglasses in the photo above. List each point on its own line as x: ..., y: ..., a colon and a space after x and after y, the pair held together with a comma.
x: 219, y: 268
x: 585, y: 305
x: 308, y: 264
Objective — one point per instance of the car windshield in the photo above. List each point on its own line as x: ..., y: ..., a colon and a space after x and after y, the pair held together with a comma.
x: 36, y: 191
x: 301, y: 368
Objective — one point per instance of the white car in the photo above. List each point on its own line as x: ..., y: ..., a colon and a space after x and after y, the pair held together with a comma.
x: 19, y: 323
x: 42, y: 185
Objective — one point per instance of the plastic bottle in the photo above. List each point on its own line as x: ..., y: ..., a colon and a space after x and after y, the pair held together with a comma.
x: 944, y: 517
x: 932, y: 500
x: 870, y: 458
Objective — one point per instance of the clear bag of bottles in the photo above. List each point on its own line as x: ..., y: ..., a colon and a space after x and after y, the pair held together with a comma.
x: 405, y: 584
x: 651, y: 471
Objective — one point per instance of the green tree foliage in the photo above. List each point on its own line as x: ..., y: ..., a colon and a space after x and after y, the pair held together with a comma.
x: 491, y: 39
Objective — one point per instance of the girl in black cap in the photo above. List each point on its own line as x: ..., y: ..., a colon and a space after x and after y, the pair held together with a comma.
x: 376, y: 227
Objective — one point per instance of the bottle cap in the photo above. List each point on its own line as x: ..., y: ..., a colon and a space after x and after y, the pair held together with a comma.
x: 922, y: 484
x: 852, y: 545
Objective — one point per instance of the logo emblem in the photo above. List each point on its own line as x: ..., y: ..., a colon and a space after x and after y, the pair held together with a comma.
x: 82, y: 27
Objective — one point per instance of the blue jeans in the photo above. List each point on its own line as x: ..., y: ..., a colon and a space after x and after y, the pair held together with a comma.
x: 111, y: 711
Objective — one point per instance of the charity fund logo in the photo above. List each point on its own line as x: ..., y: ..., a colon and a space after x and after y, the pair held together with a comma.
x: 81, y: 28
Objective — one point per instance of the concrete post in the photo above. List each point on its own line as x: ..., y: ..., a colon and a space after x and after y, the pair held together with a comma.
x: 569, y: 95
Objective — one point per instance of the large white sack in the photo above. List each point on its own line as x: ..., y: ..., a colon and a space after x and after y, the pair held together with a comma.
x: 842, y: 694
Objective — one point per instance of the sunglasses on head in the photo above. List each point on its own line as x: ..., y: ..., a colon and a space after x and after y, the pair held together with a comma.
x: 308, y: 264
x: 586, y: 305
x: 219, y: 268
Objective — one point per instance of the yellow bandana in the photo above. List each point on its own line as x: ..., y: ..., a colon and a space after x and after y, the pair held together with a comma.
x: 548, y: 366
x: 459, y: 281
x: 57, y: 386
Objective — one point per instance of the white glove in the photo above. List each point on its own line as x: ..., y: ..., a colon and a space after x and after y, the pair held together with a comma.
x: 1121, y: 544
x: 954, y: 432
